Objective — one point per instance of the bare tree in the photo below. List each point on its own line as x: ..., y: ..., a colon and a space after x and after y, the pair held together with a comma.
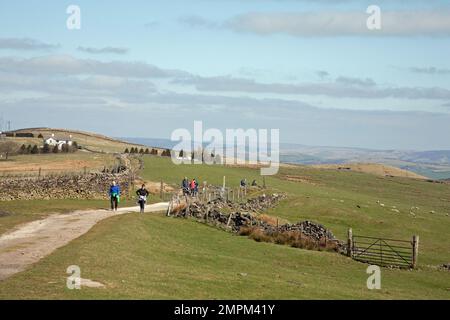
x: 7, y: 148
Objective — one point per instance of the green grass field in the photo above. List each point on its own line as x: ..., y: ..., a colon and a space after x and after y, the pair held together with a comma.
x: 155, y: 257
x: 152, y: 256
x: 61, y: 163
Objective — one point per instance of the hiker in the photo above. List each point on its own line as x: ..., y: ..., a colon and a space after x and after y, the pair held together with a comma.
x: 185, y: 186
x: 142, y: 194
x: 114, y: 194
x: 192, y: 187
x: 196, y: 187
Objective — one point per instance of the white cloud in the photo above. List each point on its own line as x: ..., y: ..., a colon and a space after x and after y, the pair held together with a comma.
x: 198, y: 21
x: 26, y: 44
x: 113, y: 50
x: 340, y: 23
x: 342, y: 87
x: 68, y: 65
x: 430, y: 70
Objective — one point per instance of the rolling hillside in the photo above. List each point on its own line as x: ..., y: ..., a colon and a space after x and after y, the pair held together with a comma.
x: 372, y: 168
x: 87, y: 140
x: 153, y: 256
x: 156, y: 257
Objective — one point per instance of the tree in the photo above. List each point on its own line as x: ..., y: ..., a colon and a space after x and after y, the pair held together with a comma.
x: 46, y: 148
x: 65, y: 148
x: 141, y: 151
x: 40, y: 136
x: 74, y: 146
x: 55, y: 149
x: 35, y: 150
x: 28, y: 149
x: 23, y: 149
x: 181, y: 154
x: 147, y: 151
x: 127, y: 151
x: 154, y: 152
x: 8, y: 148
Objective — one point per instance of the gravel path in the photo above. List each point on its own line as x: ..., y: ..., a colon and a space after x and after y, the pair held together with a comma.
x: 30, y: 242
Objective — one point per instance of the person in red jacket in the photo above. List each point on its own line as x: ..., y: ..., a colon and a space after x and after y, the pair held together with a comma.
x: 192, y: 187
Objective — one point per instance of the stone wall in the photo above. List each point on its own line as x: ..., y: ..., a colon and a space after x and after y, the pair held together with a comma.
x: 234, y: 216
x: 88, y: 186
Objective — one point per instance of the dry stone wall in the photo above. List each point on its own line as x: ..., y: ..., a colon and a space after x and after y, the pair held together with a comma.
x: 88, y: 186
x: 235, y: 216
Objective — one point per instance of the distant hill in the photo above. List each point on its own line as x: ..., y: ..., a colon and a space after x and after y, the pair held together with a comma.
x: 415, y: 164
x: 88, y: 140
x: 432, y: 164
x: 372, y: 168
x: 153, y: 142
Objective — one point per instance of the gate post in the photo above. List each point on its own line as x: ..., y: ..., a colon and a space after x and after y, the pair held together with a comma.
x: 415, y: 245
x: 350, y: 242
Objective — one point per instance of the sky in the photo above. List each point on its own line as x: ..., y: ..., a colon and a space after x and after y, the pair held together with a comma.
x: 312, y: 69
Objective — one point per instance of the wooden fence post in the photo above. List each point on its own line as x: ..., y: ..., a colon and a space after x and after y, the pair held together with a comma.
x: 169, y: 208
x: 350, y: 243
x: 188, y: 207
x: 205, y: 191
x: 229, y: 219
x: 206, y: 214
x: 415, y: 257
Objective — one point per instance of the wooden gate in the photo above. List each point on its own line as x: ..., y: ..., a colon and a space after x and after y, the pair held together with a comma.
x: 384, y: 252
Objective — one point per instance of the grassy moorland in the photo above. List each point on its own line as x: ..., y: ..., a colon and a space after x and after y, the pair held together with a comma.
x: 61, y: 163
x: 153, y: 256
x: 331, y: 197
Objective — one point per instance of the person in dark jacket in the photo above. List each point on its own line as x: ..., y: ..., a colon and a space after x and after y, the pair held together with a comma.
x: 142, y: 194
x: 185, y: 185
x: 196, y: 187
x: 114, y: 195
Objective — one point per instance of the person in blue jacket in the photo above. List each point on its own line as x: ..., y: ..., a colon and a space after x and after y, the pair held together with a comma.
x: 114, y: 194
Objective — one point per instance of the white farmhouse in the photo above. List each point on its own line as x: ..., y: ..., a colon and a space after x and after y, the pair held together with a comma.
x: 52, y: 141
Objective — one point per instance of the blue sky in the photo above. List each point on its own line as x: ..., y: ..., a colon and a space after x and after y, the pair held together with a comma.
x: 309, y: 68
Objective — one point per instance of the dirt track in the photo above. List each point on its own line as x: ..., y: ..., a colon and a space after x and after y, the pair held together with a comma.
x: 32, y: 241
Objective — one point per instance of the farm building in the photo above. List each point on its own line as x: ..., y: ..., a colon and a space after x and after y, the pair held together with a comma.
x: 52, y: 141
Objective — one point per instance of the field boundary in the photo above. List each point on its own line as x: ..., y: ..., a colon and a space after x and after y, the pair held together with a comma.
x: 383, y: 251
